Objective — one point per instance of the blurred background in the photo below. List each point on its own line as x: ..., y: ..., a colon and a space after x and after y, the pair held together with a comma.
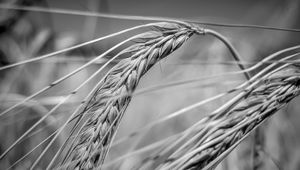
x: 26, y: 34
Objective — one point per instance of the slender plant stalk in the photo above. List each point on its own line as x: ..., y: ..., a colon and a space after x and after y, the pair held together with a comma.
x: 233, y: 51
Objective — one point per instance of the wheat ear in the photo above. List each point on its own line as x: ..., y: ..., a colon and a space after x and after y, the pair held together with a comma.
x: 105, y: 109
x: 202, y: 144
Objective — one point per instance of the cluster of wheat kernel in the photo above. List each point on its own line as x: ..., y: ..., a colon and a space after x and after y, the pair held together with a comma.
x: 110, y: 100
x: 204, y: 144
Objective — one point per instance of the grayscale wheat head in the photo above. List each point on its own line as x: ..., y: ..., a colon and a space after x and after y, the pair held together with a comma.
x: 202, y: 145
x: 109, y: 102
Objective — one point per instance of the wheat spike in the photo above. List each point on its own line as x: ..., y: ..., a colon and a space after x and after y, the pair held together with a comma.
x: 105, y: 109
x: 204, y: 142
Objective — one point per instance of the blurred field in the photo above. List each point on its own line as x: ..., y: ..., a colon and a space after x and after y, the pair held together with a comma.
x: 36, y: 33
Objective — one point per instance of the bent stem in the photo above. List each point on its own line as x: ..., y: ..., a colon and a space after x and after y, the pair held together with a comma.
x: 237, y: 57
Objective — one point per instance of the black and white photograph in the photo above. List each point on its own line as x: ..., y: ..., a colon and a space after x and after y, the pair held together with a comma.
x: 149, y: 84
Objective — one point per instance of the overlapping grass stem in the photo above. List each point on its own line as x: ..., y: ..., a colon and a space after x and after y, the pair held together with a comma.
x: 202, y: 145
x: 108, y: 103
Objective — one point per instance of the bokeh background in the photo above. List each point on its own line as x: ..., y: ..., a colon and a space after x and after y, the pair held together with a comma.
x: 28, y: 34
